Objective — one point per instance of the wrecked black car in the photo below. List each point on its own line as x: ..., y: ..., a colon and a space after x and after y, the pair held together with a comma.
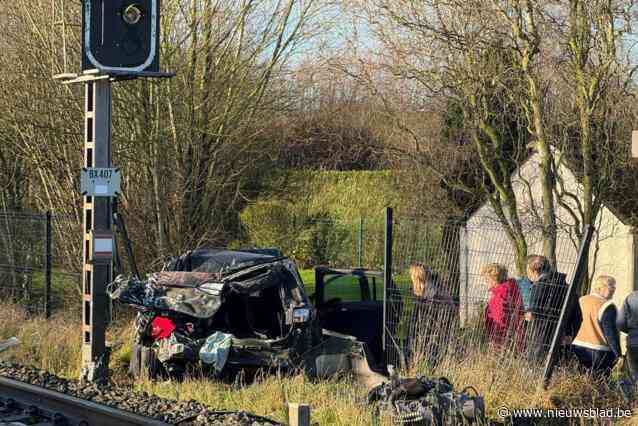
x: 228, y: 310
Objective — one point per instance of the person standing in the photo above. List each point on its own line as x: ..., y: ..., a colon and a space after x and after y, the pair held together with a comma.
x: 504, y: 310
x: 627, y: 322
x: 547, y: 295
x: 432, y: 317
x: 597, y: 344
x: 525, y: 287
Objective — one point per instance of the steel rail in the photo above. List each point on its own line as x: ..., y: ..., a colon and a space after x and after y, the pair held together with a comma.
x: 76, y: 411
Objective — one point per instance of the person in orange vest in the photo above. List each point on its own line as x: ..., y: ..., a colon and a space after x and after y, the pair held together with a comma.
x: 597, y: 344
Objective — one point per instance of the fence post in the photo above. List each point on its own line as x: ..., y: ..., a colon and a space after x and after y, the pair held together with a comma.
x: 568, y: 304
x: 360, y: 241
x: 464, y: 289
x: 298, y: 414
x: 387, y: 272
x: 47, y: 268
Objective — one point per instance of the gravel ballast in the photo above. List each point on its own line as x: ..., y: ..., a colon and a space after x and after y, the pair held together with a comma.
x: 170, y: 411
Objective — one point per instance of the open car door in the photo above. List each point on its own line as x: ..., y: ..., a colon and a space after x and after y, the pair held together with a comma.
x: 350, y: 301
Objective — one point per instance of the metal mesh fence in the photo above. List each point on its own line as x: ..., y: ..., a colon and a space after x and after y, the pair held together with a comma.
x: 66, y: 262
x: 458, y: 297
x: 456, y: 314
x: 25, y: 261
x: 22, y: 252
x: 447, y: 317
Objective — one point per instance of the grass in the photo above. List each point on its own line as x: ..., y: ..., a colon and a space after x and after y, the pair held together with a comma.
x: 332, y: 402
x: 308, y: 278
x: 51, y: 345
x: 54, y: 345
x: 346, y: 288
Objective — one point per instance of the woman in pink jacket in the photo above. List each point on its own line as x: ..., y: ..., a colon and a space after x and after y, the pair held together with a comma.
x: 504, y: 311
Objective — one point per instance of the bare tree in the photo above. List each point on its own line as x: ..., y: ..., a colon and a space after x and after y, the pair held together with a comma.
x: 451, y: 51
x: 593, y: 37
x: 553, y: 67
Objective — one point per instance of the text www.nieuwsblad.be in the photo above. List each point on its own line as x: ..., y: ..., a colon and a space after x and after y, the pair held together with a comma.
x: 560, y: 413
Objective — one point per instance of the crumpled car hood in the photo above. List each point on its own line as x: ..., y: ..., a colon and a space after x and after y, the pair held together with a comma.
x: 198, y: 294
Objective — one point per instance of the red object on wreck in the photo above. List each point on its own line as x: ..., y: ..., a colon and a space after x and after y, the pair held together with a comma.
x: 162, y: 327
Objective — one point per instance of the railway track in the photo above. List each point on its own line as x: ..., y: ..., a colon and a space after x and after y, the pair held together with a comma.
x: 32, y: 396
x: 25, y: 404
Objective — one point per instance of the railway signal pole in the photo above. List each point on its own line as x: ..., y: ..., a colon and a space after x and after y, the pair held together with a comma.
x: 120, y: 41
x: 97, y: 234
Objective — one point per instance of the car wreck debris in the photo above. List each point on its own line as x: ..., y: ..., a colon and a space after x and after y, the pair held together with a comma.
x: 233, y: 310
x: 426, y: 401
x: 215, y: 350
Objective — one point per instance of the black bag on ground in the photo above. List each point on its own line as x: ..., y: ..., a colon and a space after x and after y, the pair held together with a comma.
x: 423, y: 401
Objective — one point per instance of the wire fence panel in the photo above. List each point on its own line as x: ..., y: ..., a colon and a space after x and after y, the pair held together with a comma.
x: 66, y: 243
x: 22, y: 249
x: 24, y: 265
x: 66, y: 259
x: 461, y: 296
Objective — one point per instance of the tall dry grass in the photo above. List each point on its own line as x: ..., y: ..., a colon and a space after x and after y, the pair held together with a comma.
x: 54, y: 345
x: 332, y: 402
x: 516, y: 384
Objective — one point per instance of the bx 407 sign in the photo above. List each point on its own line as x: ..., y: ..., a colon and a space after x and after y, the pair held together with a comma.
x: 100, y: 182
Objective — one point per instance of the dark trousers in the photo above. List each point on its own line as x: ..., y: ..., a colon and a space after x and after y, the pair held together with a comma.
x: 599, y: 362
x: 538, y: 335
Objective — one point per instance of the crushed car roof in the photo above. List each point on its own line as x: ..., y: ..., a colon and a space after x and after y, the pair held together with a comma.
x: 196, y: 283
x: 217, y: 260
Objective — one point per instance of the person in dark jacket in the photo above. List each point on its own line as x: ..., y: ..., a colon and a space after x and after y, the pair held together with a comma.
x: 597, y: 344
x: 432, y: 317
x: 504, y: 310
x: 627, y: 322
x: 547, y: 295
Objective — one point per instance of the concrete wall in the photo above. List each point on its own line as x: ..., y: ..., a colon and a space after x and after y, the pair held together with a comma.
x: 615, y: 257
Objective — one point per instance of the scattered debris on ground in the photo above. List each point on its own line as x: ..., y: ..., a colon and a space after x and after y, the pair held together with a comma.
x: 428, y: 401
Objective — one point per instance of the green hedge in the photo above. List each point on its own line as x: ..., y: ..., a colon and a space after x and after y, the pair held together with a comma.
x: 310, y: 239
x: 340, y: 195
x: 329, y: 217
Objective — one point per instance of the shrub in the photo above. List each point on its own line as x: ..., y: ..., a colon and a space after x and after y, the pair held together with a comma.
x: 282, y: 225
x: 336, y: 218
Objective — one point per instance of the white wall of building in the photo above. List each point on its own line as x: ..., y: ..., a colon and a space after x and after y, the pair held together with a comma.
x: 485, y: 240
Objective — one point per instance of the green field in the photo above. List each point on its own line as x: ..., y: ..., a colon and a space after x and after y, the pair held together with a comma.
x: 345, y: 288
